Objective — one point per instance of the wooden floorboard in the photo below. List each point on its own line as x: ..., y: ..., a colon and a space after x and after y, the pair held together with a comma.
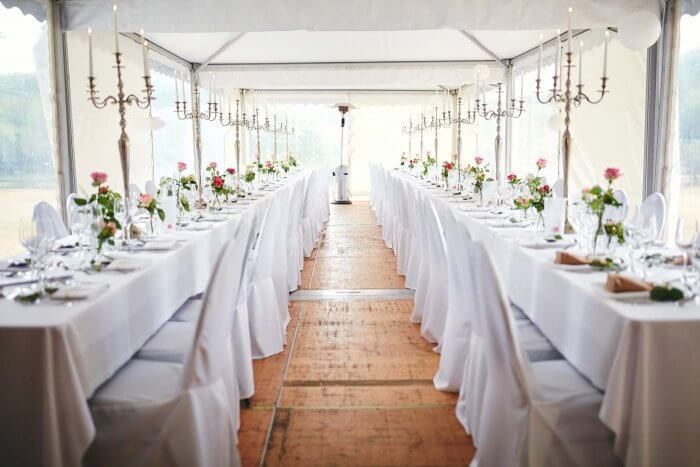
x: 354, y: 385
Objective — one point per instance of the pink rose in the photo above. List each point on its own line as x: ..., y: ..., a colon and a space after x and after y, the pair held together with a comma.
x: 231, y: 170
x: 512, y: 177
x: 478, y: 160
x: 612, y: 173
x: 541, y: 163
x: 212, y: 165
x: 98, y: 178
x: 544, y: 189
x: 181, y: 166
x: 145, y: 199
x: 218, y: 182
x: 112, y: 227
x: 103, y: 190
x: 585, y: 191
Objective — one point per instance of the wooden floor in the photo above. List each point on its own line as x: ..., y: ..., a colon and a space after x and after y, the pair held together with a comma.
x: 354, y: 385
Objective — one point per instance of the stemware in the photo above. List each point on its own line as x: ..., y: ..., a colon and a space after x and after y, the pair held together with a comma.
x: 685, y: 242
x: 38, y: 245
x: 648, y: 234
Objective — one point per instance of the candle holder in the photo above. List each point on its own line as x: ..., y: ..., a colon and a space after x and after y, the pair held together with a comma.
x: 409, y: 130
x: 562, y: 92
x: 469, y: 120
x: 122, y: 101
x: 196, y: 115
x: 512, y: 111
x: 236, y: 122
x: 287, y: 133
x: 436, y: 122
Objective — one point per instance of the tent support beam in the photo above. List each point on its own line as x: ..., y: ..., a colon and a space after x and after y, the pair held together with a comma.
x: 483, y: 48
x: 430, y: 91
x: 221, y: 50
x: 158, y: 48
x: 348, y: 63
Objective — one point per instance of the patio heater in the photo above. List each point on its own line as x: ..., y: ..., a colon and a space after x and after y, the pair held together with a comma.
x: 341, y: 174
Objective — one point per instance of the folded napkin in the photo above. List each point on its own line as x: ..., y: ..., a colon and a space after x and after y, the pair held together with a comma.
x: 79, y: 291
x: 127, y: 264
x: 490, y: 215
x: 618, y: 283
x: 564, y: 257
x: 476, y: 208
x: 156, y: 245
x: 507, y: 223
x: 541, y: 244
x: 198, y: 227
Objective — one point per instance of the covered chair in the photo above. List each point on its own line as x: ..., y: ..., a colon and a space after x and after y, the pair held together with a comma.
x: 533, y: 414
x: 48, y: 221
x: 162, y: 413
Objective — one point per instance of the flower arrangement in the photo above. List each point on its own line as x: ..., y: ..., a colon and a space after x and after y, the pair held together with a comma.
x: 412, y: 163
x: 479, y: 172
x: 403, y: 159
x: 513, y: 180
x: 104, y: 201
x: 291, y: 160
x: 249, y: 175
x: 538, y: 191
x: 269, y: 167
x: 428, y: 162
x: 216, y: 182
x: 447, y: 167
x: 597, y: 199
x: 150, y: 204
x: 179, y: 183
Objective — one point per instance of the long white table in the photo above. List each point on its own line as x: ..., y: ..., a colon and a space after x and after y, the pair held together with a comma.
x: 645, y: 357
x: 53, y: 356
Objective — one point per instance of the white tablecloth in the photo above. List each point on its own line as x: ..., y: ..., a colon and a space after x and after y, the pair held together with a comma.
x: 646, y: 357
x: 53, y: 356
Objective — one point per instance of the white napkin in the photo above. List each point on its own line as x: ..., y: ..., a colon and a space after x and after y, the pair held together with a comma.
x: 79, y: 291
x: 508, y: 223
x: 127, y: 264
x: 197, y: 227
x: 476, y: 208
x: 542, y: 244
x: 156, y: 245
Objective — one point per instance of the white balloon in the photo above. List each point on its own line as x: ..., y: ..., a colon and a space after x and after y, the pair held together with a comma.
x: 639, y: 30
x: 555, y: 122
x: 482, y: 72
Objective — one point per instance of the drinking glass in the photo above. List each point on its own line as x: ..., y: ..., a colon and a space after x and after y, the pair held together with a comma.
x: 38, y: 245
x: 685, y: 242
x: 647, y: 234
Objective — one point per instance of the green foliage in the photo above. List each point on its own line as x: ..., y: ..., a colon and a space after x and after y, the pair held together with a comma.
x: 665, y: 293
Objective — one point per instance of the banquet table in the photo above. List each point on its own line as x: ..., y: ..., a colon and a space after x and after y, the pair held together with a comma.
x: 644, y: 356
x: 53, y: 356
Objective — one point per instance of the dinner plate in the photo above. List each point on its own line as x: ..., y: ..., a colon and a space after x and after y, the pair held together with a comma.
x: 573, y: 267
x: 600, y: 288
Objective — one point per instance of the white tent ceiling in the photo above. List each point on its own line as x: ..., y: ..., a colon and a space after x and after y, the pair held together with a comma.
x: 371, y: 44
x: 347, y: 46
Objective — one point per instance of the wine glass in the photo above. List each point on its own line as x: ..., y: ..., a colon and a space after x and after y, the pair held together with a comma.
x: 648, y: 233
x: 685, y: 242
x: 38, y: 244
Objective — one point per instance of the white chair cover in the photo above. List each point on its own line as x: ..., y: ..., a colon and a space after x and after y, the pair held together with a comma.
x: 155, y: 413
x: 558, y: 188
x: 413, y: 260
x: 541, y: 414
x: 654, y: 206
x: 282, y: 200
x: 617, y: 214
x: 388, y: 211
x: 435, y: 308
x: 456, y: 337
x: 295, y: 248
x: 48, y: 221
x: 421, y: 211
x: 151, y: 188
x: 266, y: 330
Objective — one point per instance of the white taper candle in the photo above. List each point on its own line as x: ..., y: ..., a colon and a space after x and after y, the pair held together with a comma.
x: 90, y: 66
x: 116, y: 29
